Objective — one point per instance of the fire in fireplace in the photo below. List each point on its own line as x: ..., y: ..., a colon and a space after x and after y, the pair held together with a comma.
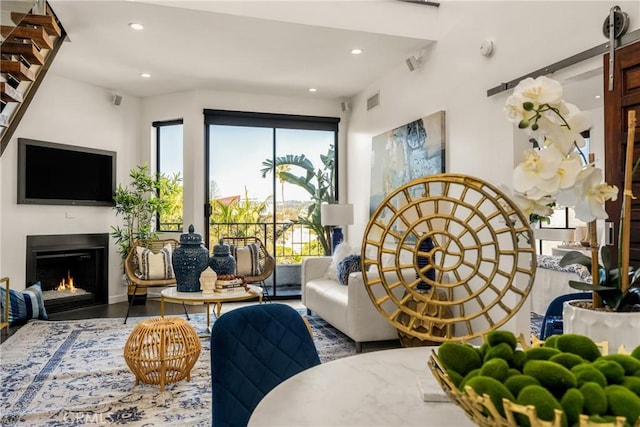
x: 70, y: 268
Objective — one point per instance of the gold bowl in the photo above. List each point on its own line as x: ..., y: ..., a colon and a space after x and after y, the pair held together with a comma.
x: 482, y: 411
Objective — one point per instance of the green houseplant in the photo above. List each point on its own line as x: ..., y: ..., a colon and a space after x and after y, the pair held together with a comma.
x: 319, y: 183
x: 138, y: 203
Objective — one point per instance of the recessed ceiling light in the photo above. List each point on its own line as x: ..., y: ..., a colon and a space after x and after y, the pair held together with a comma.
x: 597, y: 96
x: 145, y: 75
x: 356, y: 51
x: 136, y: 26
x: 313, y: 89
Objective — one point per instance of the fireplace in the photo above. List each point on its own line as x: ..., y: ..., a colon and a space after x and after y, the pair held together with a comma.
x: 71, y: 268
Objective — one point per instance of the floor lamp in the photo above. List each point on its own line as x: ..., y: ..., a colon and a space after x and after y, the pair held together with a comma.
x: 336, y: 215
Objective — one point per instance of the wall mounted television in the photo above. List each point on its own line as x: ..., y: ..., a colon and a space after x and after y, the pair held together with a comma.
x: 58, y: 174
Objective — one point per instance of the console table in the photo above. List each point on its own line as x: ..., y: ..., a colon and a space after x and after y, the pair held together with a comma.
x: 377, y: 388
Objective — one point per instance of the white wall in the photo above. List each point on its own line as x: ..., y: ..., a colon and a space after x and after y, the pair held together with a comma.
x: 189, y: 106
x: 454, y: 77
x: 74, y: 113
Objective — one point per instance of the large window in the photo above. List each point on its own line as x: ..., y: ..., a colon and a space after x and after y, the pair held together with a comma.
x: 169, y: 165
x: 251, y: 159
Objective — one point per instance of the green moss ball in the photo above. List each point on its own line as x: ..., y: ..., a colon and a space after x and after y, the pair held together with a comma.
x: 572, y: 403
x: 455, y: 377
x: 568, y: 360
x: 512, y: 372
x: 483, y: 350
x: 497, y: 337
x: 623, y: 402
x: 555, y: 377
x: 502, y: 350
x: 578, y: 344
x: 602, y: 419
x: 495, y: 368
x: 517, y: 382
x: 543, y: 400
x: 636, y: 352
x: 551, y: 341
x: 467, y: 377
x: 459, y: 357
x: 612, y: 370
x: 541, y: 353
x: 630, y: 364
x: 492, y: 387
x: 518, y: 360
x: 586, y: 372
x: 595, y: 399
x: 632, y: 383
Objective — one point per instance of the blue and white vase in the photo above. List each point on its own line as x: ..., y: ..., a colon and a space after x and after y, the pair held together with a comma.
x: 189, y: 260
x: 222, y: 262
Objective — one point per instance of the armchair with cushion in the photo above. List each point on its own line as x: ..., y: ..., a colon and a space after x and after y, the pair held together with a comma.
x: 155, y: 270
x: 253, y: 260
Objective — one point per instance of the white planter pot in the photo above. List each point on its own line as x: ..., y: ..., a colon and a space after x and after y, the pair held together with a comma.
x: 615, y: 328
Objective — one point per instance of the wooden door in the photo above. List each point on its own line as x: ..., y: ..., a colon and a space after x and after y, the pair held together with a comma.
x: 617, y: 103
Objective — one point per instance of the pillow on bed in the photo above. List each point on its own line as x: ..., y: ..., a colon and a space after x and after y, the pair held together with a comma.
x: 24, y: 305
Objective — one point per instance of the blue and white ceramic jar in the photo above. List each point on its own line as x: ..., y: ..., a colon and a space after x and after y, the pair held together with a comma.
x: 222, y: 262
x: 189, y: 260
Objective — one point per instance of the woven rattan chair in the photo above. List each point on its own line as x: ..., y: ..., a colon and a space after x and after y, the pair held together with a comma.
x: 266, y: 261
x: 130, y: 268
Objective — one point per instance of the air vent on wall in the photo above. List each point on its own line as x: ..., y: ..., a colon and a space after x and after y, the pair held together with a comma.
x: 373, y: 101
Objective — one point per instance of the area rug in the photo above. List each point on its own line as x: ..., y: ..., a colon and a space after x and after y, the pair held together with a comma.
x: 72, y: 373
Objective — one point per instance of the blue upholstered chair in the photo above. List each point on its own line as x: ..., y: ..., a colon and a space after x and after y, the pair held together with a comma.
x: 253, y: 349
x: 552, y: 321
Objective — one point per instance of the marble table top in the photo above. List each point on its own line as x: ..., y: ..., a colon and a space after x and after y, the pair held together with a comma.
x: 370, y: 389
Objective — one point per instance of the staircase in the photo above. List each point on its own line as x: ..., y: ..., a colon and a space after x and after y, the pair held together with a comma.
x: 31, y: 37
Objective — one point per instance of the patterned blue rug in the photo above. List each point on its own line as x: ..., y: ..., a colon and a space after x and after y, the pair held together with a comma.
x: 72, y: 373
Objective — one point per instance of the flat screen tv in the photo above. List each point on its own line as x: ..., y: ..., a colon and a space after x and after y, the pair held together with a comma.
x: 59, y: 174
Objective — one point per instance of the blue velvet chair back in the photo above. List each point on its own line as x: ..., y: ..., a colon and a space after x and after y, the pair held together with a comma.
x: 552, y: 321
x: 253, y: 349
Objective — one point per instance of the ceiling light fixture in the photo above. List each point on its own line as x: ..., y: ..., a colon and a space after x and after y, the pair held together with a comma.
x: 145, y: 75
x: 136, y: 26
x: 313, y: 89
x: 356, y: 51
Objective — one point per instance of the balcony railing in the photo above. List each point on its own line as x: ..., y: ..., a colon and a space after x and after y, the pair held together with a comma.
x: 287, y: 242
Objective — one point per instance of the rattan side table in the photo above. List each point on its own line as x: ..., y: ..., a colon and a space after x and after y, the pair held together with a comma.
x: 162, y: 351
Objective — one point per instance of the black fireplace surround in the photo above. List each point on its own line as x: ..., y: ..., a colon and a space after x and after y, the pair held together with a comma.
x: 54, y: 258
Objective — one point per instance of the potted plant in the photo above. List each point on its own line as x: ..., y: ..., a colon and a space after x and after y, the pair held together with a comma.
x: 318, y: 183
x: 556, y: 171
x: 138, y: 203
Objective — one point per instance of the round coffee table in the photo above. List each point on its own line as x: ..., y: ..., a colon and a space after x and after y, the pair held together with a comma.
x: 217, y: 298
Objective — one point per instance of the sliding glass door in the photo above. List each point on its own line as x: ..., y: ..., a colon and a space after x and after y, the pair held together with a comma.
x: 262, y: 180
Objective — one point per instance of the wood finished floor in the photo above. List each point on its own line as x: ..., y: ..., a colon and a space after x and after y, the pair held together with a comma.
x: 151, y: 308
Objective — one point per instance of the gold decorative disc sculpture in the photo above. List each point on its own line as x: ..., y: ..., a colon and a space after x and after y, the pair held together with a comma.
x: 448, y: 258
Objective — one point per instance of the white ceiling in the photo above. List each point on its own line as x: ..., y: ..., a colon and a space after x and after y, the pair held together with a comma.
x: 197, y: 48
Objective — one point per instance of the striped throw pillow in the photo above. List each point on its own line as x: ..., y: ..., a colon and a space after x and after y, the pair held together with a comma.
x: 247, y: 259
x: 24, y: 305
x: 154, y: 266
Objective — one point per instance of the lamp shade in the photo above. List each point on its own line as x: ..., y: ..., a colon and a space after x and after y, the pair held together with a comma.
x: 336, y: 214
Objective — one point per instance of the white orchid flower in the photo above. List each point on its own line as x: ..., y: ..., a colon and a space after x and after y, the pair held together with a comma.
x: 538, y: 171
x: 555, y: 173
x: 542, y: 90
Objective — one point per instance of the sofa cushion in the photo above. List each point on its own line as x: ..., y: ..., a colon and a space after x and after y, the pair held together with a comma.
x: 339, y: 253
x: 349, y: 264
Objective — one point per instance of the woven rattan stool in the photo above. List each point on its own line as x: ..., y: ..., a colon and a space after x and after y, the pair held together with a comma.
x: 162, y: 351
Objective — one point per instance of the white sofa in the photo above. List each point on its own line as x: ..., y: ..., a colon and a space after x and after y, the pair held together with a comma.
x: 347, y: 308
